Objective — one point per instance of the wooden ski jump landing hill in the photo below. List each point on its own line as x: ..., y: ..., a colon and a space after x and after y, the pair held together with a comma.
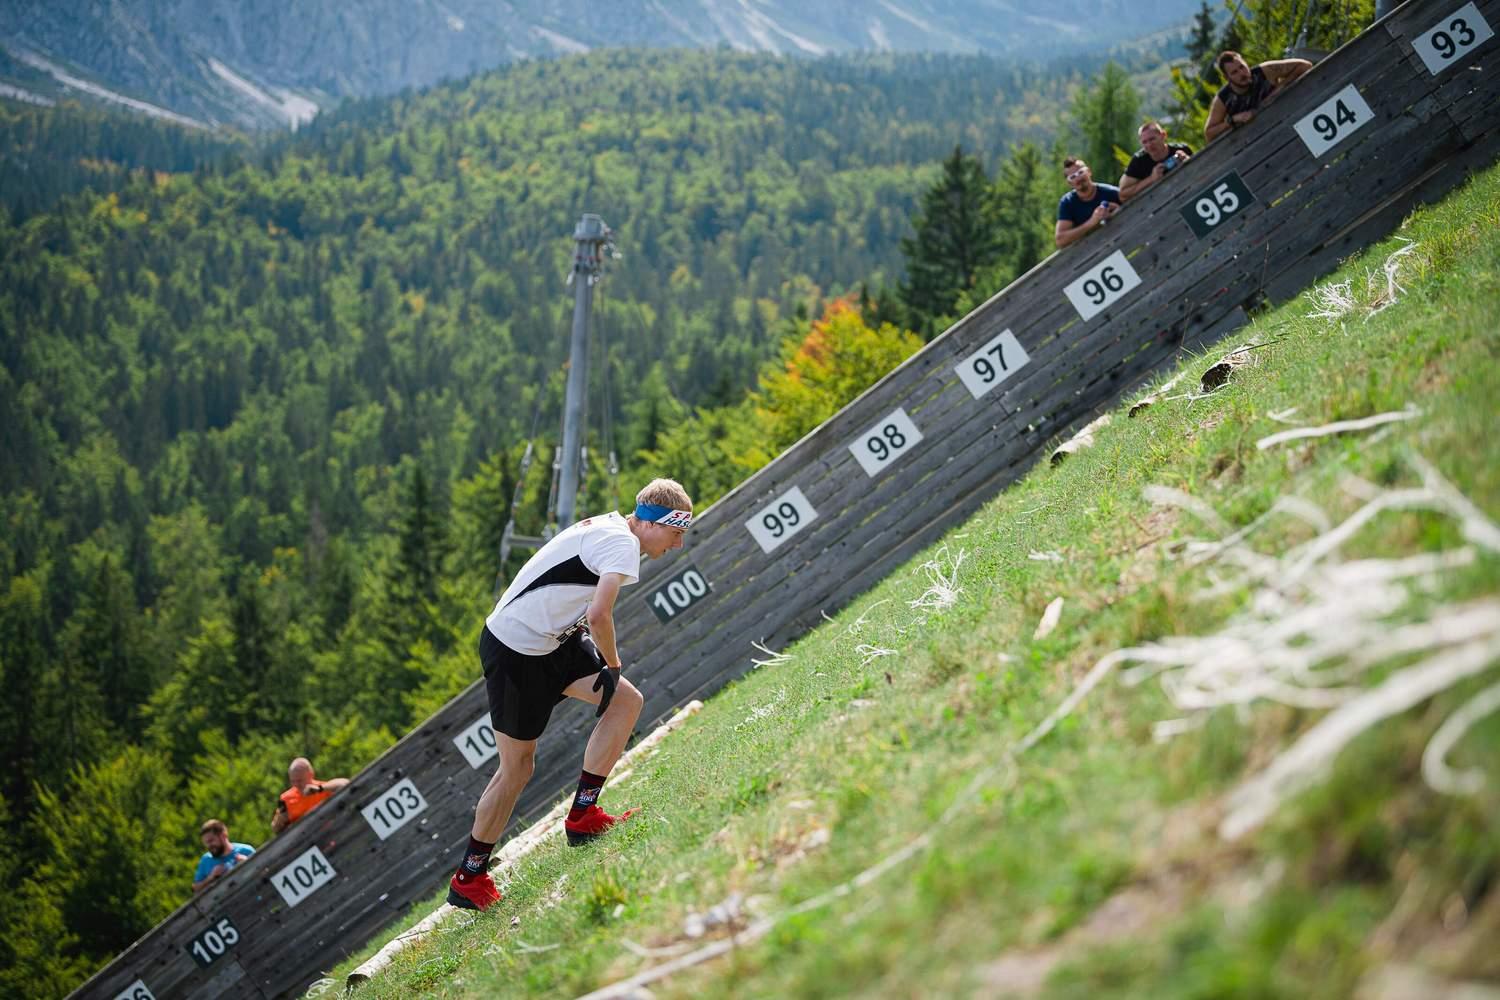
x: 1399, y: 115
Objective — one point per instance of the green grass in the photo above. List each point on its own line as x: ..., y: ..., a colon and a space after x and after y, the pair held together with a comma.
x: 802, y: 775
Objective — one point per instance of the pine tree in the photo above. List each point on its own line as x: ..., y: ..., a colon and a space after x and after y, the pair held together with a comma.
x: 101, y: 881
x: 422, y: 541
x: 1200, y: 43
x: 401, y: 624
x: 1194, y: 84
x: 956, y: 236
x: 25, y: 652
x: 104, y: 637
x: 1024, y: 195
x: 1105, y: 116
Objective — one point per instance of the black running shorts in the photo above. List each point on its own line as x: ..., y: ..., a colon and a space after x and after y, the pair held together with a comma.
x: 524, y: 689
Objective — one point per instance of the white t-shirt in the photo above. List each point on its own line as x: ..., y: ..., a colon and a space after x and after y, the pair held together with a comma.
x: 554, y: 588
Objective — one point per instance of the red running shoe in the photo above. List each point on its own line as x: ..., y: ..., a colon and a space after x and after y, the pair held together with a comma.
x: 472, y: 892
x: 592, y: 824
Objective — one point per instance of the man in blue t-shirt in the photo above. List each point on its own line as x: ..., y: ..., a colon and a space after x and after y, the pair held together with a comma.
x: 223, y: 854
x: 1086, y: 207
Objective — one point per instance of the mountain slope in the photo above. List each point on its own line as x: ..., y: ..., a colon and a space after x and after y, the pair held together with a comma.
x: 913, y: 801
x: 256, y: 63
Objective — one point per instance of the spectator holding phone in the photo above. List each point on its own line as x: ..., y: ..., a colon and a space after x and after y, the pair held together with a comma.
x: 1154, y: 160
x: 1086, y: 207
x: 220, y: 854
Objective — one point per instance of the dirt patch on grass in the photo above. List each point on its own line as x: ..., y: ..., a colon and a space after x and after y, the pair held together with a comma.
x: 1129, y: 912
x: 1185, y: 863
x: 1435, y: 377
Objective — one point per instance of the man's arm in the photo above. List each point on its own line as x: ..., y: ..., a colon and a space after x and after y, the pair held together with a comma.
x: 1129, y: 184
x: 1066, y: 233
x: 1218, y: 121
x: 601, y: 616
x: 203, y: 883
x: 1283, y: 71
x: 333, y: 784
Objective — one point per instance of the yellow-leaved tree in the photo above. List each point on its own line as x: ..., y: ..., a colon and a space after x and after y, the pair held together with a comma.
x: 839, y: 358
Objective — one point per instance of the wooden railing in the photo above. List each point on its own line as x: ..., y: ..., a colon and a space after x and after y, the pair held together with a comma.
x: 1399, y: 115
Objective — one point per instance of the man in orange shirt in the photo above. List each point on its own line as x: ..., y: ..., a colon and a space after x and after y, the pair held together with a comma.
x: 305, y: 795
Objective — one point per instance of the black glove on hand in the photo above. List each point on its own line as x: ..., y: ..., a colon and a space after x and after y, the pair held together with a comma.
x: 607, y: 679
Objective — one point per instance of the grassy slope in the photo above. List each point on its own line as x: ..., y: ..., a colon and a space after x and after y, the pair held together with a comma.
x: 872, y: 751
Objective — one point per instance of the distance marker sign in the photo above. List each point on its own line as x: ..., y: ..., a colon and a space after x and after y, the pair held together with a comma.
x: 1334, y: 120
x: 477, y: 743
x: 992, y: 364
x: 214, y: 942
x: 1102, y: 285
x: 1216, y: 204
x: 678, y: 594
x: 885, y: 442
x: 784, y: 517
x: 394, y: 808
x: 307, y: 873
x: 1444, y: 45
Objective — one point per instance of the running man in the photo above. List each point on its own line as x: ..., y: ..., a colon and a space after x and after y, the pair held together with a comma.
x: 552, y: 635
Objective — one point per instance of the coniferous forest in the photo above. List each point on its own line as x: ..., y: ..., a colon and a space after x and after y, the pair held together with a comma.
x: 264, y: 401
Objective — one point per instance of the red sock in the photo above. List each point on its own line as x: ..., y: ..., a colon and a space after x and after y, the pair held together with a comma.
x: 588, y: 793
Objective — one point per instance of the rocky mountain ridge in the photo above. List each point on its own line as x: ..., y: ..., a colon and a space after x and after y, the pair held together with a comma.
x: 257, y: 63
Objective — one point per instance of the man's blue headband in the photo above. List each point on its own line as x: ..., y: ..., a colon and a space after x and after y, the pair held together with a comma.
x: 655, y: 512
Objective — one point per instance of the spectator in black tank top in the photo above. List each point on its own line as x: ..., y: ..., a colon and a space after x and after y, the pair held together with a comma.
x: 1247, y: 90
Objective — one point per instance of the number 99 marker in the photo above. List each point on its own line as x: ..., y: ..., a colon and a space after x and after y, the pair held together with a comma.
x: 784, y: 517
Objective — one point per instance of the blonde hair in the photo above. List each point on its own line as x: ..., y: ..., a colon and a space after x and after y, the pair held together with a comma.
x: 665, y: 493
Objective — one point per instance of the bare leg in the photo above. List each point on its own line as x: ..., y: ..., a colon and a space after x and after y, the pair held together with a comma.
x: 613, y: 730
x: 517, y: 761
